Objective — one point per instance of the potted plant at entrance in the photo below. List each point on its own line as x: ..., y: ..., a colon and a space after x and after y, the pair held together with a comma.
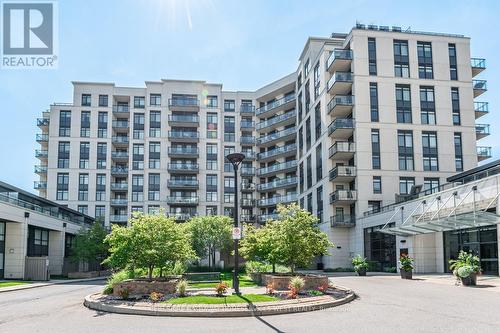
x: 360, y: 265
x: 466, y: 268
x: 406, y: 266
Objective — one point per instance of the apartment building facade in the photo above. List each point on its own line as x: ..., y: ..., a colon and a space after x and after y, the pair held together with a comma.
x: 366, y: 118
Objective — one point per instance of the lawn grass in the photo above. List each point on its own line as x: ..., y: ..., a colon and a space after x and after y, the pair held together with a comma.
x: 203, y: 299
x: 11, y: 283
x: 245, y: 281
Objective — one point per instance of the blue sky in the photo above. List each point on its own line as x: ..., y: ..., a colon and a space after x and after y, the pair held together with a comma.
x: 242, y: 44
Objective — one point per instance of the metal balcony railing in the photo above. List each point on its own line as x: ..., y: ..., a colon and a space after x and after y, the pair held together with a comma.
x: 278, y: 183
x: 342, y: 221
x: 275, y: 104
x: 277, y: 119
x: 338, y: 54
x: 277, y: 167
x: 121, y: 108
x: 247, y: 202
x: 247, y: 186
x: 276, y: 136
x: 277, y: 151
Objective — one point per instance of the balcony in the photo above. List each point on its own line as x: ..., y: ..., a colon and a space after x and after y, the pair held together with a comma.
x: 118, y: 218
x: 38, y: 185
x: 183, y: 151
x: 120, y: 141
x: 120, y: 109
x: 339, y: 60
x: 180, y: 200
x: 250, y: 155
x: 284, y: 119
x: 343, y: 221
x: 341, y: 128
x: 41, y: 169
x: 184, y: 104
x: 277, y: 184
x: 277, y: 168
x: 271, y: 139
x: 191, y: 184
x: 119, y: 186
x: 247, y: 172
x: 481, y: 109
x: 343, y: 196
x: 184, y: 136
x: 247, y: 203
x: 479, y: 87
x: 119, y: 156
x: 342, y: 150
x: 247, y: 140
x: 283, y: 151
x: 121, y: 125
x: 482, y: 130
x: 247, y: 125
x: 181, y: 217
x: 276, y: 106
x: 41, y: 154
x: 341, y: 105
x: 340, y: 83
x: 119, y: 171
x: 183, y: 167
x: 42, y: 122
x: 343, y: 173
x: 119, y: 202
x: 263, y: 218
x: 183, y: 120
x: 279, y: 199
x: 42, y: 138
x: 245, y: 218
x: 247, y: 109
x: 478, y: 65
x: 483, y: 153
x: 247, y: 187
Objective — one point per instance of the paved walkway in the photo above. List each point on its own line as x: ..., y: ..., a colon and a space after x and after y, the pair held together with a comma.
x: 45, y: 283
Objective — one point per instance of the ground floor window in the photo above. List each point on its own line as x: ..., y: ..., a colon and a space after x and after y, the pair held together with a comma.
x: 380, y: 248
x: 38, y: 242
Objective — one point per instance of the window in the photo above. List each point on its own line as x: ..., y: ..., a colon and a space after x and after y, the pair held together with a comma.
x: 155, y: 99
x: 83, y: 209
x: 309, y: 172
x: 153, y: 209
x: 403, y: 104
x: 455, y: 106
x: 301, y: 177
x: 84, y: 155
x: 100, y: 187
x: 377, y: 185
x: 211, y: 156
x: 452, y: 53
x: 401, y: 60
x: 319, y: 204
x: 62, y: 186
x: 424, y: 52
x: 307, y: 68
x: 307, y: 97
x: 308, y: 134
x: 405, y: 184
x: 212, y: 102
x: 431, y: 185
x: 317, y: 120
x: 299, y: 108
x: 211, y: 210
x: 103, y: 100
x: 427, y: 106
x: 374, y: 205
x: 374, y: 102
x: 139, y: 102
x: 86, y: 99
x: 63, y: 155
x: 319, y: 163
x: 459, y: 162
x: 228, y: 187
x: 212, y: 188
x: 154, y: 155
x: 154, y: 187
x: 138, y: 156
x: 137, y: 188
x: 301, y: 142
x: 229, y: 105
x: 211, y: 125
x: 137, y: 209
x: 65, y: 123
x: 154, y: 124
x: 372, y: 56
x: 405, y: 150
x: 229, y: 129
x: 375, y: 149
x: 85, y: 124
x: 38, y: 242
x: 138, y: 126
x: 100, y: 212
x: 101, y: 155
x: 430, y: 151
x: 228, y: 167
x: 310, y: 202
x: 83, y: 187
x: 317, y: 81
x: 102, y: 125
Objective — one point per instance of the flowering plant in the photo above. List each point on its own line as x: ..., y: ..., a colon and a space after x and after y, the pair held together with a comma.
x: 270, y: 289
x: 406, y: 262
x: 221, y: 288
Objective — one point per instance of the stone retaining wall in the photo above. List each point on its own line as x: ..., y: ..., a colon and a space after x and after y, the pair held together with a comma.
x: 145, y: 287
x: 281, y: 282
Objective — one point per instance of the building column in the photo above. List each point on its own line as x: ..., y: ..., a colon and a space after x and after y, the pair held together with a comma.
x: 56, y: 252
x: 16, y: 238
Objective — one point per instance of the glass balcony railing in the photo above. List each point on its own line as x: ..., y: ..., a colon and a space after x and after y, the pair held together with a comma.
x: 481, y: 107
x: 341, y: 123
x: 276, y: 136
x: 121, y: 108
x: 183, y: 166
x: 483, y: 151
x: 479, y: 85
x: 182, y: 183
x: 277, y: 151
x: 342, y: 220
x: 185, y: 101
x: 277, y: 119
x: 277, y: 167
x: 183, y: 150
x: 119, y: 154
x: 42, y: 138
x: 247, y: 124
x: 263, y: 218
x: 478, y: 63
x: 247, y: 186
x: 247, y: 108
x: 181, y: 216
x: 42, y: 122
x: 119, y: 202
x: 277, y: 200
x: 183, y: 135
x: 120, y: 124
x: 183, y: 118
x: 342, y: 147
x: 120, y: 139
x: 249, y: 154
x: 41, y: 169
x: 118, y: 218
x: 247, y: 140
x: 119, y: 170
x: 338, y: 54
x: 275, y: 104
x: 119, y: 186
x: 247, y: 202
x: 483, y: 129
x: 339, y: 77
x: 247, y: 218
x: 289, y: 181
x: 38, y: 185
x: 343, y: 171
x: 246, y: 171
x: 41, y: 153
x: 182, y: 200
x: 343, y: 195
x: 340, y: 100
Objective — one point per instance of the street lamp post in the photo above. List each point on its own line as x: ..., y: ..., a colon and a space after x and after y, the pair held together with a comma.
x: 236, y: 159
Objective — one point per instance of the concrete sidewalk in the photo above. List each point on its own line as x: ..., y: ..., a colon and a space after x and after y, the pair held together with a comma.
x: 46, y: 283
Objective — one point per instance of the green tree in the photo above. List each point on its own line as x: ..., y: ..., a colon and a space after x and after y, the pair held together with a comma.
x: 260, y: 244
x: 209, y: 235
x: 151, y: 241
x: 89, y: 245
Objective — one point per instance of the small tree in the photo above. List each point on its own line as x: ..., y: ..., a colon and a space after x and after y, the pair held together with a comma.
x: 259, y: 244
x: 89, y: 245
x: 209, y: 235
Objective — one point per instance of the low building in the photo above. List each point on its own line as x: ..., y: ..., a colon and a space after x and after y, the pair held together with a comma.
x: 35, y: 234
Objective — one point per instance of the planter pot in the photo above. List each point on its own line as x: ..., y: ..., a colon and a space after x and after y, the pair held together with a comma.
x: 471, y: 280
x: 281, y: 281
x: 406, y: 274
x: 361, y: 272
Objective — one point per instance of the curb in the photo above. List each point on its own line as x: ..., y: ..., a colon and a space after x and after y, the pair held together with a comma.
x: 46, y: 284
x: 206, y: 311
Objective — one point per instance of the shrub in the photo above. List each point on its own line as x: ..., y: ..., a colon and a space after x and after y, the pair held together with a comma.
x: 315, y: 292
x: 221, y: 288
x: 124, y: 293
x: 406, y: 262
x: 465, y: 271
x: 256, y: 267
x: 155, y: 297
x: 358, y: 262
x: 465, y: 259
x: 117, y: 278
x: 297, y: 283
x: 181, y: 287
